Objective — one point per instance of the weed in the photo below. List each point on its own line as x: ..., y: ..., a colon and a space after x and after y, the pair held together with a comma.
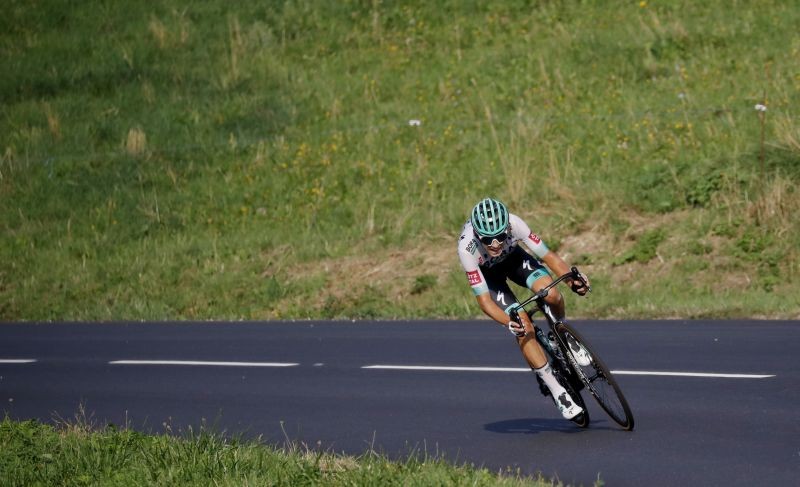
x: 423, y: 283
x: 751, y: 244
x: 698, y: 247
x: 644, y: 249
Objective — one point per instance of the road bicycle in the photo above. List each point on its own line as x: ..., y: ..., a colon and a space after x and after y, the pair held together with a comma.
x: 561, y: 343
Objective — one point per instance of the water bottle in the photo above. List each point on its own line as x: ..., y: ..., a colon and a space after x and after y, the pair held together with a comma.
x: 551, y: 347
x: 540, y: 336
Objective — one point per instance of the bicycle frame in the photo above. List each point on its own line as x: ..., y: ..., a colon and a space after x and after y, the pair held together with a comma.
x: 552, y: 321
x: 541, y: 304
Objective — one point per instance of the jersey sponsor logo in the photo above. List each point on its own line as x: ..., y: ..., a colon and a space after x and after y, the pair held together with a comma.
x: 474, y: 277
x: 535, y: 238
x: 501, y: 298
x: 491, y: 261
x: 472, y: 247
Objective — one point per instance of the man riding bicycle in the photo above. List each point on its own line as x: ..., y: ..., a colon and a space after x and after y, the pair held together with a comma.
x: 490, y: 253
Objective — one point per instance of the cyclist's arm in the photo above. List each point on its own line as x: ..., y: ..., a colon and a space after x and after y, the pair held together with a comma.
x: 491, y: 309
x: 555, y: 263
x: 494, y: 312
x: 559, y: 268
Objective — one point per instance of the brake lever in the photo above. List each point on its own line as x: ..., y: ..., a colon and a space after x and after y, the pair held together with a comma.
x: 577, y: 274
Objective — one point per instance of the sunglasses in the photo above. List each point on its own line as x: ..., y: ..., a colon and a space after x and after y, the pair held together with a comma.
x: 500, y: 237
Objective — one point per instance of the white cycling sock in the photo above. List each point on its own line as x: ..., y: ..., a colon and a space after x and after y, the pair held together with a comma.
x: 546, y: 373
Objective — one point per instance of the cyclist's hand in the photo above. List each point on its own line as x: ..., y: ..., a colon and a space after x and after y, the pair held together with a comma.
x: 516, y: 329
x: 581, y: 285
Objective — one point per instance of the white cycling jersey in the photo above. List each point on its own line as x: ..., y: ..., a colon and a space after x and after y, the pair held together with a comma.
x: 474, y: 256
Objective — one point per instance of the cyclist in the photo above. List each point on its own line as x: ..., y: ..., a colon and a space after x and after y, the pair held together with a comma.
x: 490, y: 253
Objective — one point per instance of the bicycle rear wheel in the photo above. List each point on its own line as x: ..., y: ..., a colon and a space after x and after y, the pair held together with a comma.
x: 597, y: 378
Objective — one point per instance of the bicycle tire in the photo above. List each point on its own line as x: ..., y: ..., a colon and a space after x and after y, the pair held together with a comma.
x: 598, y: 380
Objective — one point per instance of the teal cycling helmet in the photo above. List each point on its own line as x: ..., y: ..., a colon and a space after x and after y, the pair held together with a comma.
x: 489, y: 218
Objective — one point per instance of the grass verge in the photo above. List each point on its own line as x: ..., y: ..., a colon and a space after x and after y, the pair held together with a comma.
x: 78, y: 454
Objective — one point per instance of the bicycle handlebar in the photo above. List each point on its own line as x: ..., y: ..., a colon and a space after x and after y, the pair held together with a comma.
x: 574, y: 273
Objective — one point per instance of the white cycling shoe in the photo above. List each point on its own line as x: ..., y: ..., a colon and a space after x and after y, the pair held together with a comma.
x: 581, y: 355
x: 567, y: 406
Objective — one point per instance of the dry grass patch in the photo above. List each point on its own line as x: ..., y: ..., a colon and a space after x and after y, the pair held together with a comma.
x: 350, y: 278
x: 136, y: 142
x: 684, y: 252
x: 687, y: 257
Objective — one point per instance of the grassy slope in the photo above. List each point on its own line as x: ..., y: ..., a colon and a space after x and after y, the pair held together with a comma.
x: 32, y: 453
x: 175, y: 160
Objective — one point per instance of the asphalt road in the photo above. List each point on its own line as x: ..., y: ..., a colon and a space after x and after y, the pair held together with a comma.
x: 307, y: 382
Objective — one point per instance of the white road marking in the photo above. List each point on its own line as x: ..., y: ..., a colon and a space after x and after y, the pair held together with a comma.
x: 409, y: 367
x: 521, y: 369
x: 691, y: 374
x: 434, y: 367
x: 202, y: 363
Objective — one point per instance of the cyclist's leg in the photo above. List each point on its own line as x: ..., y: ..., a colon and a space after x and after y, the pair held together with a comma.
x: 531, y: 350
x: 534, y: 275
x: 526, y: 271
x: 504, y: 298
x: 554, y: 297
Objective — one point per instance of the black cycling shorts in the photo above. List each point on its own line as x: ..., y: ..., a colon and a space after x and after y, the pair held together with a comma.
x: 521, y: 268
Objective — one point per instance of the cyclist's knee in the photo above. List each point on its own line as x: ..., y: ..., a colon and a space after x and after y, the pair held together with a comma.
x: 554, y: 298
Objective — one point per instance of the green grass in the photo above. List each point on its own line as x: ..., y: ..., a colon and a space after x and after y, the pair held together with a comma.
x: 175, y: 160
x: 78, y: 454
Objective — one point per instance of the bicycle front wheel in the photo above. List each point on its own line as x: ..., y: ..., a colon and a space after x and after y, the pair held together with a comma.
x: 596, y: 376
